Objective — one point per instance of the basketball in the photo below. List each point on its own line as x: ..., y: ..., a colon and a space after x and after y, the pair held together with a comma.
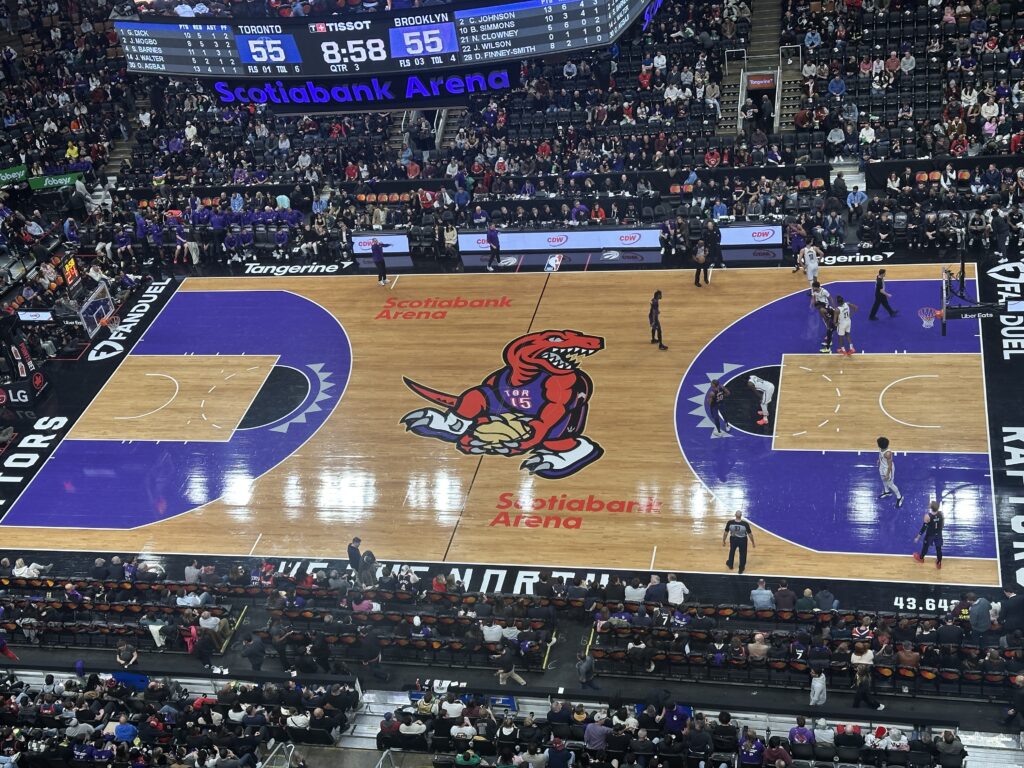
x: 506, y: 427
x: 700, y: 258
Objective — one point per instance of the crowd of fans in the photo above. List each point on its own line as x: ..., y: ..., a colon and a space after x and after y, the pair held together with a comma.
x: 976, y: 641
x: 121, y: 720
x: 655, y: 623
x: 934, y: 80
x: 65, y: 95
x: 656, y: 735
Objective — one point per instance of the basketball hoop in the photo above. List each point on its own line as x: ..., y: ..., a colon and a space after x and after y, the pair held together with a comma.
x: 928, y: 316
x: 113, y: 322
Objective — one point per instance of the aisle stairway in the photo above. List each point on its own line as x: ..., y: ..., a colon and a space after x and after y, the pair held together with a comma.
x: 727, y: 125
x: 792, y: 94
x: 762, y: 54
x: 765, y: 25
x: 397, y: 131
x: 452, y: 123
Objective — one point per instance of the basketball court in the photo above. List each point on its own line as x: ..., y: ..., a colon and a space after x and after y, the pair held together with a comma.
x: 280, y: 416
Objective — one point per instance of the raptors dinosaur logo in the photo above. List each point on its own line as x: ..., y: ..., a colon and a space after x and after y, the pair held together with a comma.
x: 535, y: 405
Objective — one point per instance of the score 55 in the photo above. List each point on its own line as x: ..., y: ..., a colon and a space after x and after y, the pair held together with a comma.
x: 267, y: 49
x: 423, y: 40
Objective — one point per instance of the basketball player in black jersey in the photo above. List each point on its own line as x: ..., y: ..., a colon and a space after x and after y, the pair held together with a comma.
x: 931, y: 529
x: 654, y: 318
x: 716, y: 395
x: 829, y: 316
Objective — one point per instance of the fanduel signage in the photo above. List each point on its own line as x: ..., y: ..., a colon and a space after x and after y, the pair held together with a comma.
x: 400, y: 90
x: 1003, y: 346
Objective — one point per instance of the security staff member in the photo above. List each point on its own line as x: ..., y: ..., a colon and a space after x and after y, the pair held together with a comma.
x: 654, y: 318
x: 931, y: 529
x: 737, y: 533
x: 881, y: 297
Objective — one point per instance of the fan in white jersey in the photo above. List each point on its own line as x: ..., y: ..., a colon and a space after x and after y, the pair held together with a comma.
x: 843, y: 322
x: 810, y: 255
x: 887, y: 471
x: 766, y: 391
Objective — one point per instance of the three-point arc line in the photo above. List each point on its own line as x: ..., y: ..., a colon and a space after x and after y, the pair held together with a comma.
x: 881, y: 403
x: 150, y: 413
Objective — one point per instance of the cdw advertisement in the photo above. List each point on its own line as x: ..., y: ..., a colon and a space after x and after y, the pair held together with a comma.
x: 393, y: 244
x: 747, y: 236
x: 576, y: 240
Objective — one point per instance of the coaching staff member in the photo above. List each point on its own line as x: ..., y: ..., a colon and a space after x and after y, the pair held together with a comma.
x: 377, y: 253
x: 881, y: 298
x: 493, y: 248
x: 654, y: 318
x: 737, y: 533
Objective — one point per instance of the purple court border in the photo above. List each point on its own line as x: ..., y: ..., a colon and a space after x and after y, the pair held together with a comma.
x: 827, y: 501
x: 112, y: 484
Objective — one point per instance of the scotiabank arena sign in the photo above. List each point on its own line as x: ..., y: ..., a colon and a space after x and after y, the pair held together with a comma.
x: 573, y: 240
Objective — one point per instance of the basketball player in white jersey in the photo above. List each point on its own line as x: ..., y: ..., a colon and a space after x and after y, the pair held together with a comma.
x: 810, y: 254
x: 821, y: 299
x: 887, y: 471
x: 843, y: 311
x: 766, y: 391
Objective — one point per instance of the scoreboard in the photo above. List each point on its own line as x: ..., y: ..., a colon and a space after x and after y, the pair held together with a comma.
x: 437, y: 38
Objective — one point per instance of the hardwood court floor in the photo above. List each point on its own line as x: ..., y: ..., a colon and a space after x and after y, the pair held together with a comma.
x: 842, y: 403
x: 415, y: 498
x: 200, y: 398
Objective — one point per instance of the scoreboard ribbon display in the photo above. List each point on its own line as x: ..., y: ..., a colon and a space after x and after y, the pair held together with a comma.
x: 382, y: 44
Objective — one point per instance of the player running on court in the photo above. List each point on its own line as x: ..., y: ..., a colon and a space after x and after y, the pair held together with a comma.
x: 887, y: 471
x: 843, y: 311
x: 716, y: 395
x: 766, y: 391
x: 811, y: 254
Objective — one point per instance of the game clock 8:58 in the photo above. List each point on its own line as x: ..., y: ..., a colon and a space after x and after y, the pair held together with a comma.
x: 339, y: 53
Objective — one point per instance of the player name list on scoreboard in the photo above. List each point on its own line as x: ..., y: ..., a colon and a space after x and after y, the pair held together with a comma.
x: 531, y: 28
x: 203, y: 49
